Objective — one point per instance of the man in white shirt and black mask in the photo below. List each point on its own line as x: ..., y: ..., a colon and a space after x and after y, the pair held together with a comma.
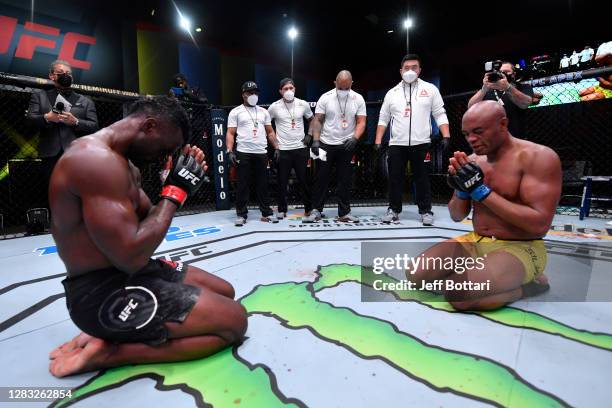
x: 408, y: 108
x: 248, y: 125
x: 339, y: 123
x: 288, y: 114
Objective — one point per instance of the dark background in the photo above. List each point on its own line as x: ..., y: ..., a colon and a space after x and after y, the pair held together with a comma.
x: 453, y: 38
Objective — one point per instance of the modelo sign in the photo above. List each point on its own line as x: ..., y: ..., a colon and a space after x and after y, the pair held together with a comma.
x: 219, y: 123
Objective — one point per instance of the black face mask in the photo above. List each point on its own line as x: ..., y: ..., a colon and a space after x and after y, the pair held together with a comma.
x: 64, y: 80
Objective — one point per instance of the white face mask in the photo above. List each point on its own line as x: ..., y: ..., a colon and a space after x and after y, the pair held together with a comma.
x: 409, y: 76
x: 252, y: 99
x: 343, y: 93
x: 289, y: 95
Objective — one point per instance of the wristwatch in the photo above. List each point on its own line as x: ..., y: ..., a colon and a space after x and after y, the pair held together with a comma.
x: 76, y: 124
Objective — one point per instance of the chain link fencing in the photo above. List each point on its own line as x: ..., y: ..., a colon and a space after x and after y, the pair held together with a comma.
x: 581, y: 133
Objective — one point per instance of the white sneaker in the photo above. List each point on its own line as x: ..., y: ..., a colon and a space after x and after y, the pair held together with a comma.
x: 239, y: 221
x: 348, y: 218
x: 281, y: 215
x: 427, y: 218
x: 390, y: 216
x: 269, y: 218
x: 314, y: 216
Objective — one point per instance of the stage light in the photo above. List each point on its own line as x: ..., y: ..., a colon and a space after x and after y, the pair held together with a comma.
x: 184, y: 23
x: 199, y: 29
x: 292, y: 33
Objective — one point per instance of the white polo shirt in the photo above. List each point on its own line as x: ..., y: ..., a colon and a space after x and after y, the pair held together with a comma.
x: 564, y: 63
x: 338, y: 128
x: 574, y: 58
x: 249, y: 122
x: 289, y: 120
x: 586, y: 54
x: 604, y: 48
x: 408, y: 108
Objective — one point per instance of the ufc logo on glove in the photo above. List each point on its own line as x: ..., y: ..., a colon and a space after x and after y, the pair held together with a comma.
x: 187, y: 175
x: 469, y: 183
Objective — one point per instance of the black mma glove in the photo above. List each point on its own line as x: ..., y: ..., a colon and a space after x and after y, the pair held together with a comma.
x: 377, y: 148
x: 470, y: 179
x: 445, y: 143
x: 315, y: 147
x: 307, y: 140
x: 231, y: 157
x: 452, y: 183
x: 350, y: 144
x: 184, y: 180
x: 276, y: 155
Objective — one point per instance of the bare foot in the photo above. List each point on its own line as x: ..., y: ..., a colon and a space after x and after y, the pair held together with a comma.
x: 77, y: 342
x: 91, y: 357
x: 535, y: 287
x: 542, y: 279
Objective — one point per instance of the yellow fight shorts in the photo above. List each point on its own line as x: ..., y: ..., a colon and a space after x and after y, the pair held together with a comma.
x: 532, y: 254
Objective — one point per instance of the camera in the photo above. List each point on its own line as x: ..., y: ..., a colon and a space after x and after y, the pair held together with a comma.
x: 492, y: 68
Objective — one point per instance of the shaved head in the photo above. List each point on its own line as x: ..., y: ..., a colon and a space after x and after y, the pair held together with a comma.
x: 344, y: 75
x: 485, y: 112
x: 344, y: 80
x: 485, y: 126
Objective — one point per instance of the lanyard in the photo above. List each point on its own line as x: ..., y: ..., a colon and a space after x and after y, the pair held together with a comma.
x: 291, y: 114
x: 255, y: 123
x: 499, y: 100
x: 342, y: 111
x: 416, y: 89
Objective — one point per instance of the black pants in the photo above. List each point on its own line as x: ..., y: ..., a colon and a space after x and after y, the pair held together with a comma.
x: 296, y: 159
x: 341, y: 159
x: 47, y: 166
x: 252, y: 168
x: 397, y: 160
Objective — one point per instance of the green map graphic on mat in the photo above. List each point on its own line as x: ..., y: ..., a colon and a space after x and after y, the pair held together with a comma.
x: 225, y: 379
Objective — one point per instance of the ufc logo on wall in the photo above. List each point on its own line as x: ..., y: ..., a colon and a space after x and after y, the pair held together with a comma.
x: 30, y: 39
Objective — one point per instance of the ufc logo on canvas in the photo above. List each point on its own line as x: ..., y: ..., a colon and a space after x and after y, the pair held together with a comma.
x: 475, y: 178
x: 187, y: 175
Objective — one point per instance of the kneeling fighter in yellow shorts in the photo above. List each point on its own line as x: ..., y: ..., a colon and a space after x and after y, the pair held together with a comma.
x: 514, y: 187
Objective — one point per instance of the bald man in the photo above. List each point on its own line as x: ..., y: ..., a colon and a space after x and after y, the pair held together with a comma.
x: 513, y: 186
x: 339, y: 123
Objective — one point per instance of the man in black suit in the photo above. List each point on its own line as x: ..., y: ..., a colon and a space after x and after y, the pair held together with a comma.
x: 61, y: 115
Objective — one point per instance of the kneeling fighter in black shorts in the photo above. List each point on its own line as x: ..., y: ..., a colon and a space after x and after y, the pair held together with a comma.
x: 131, y: 308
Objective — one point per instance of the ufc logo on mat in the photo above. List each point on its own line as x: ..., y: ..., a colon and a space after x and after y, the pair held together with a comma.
x: 187, y: 175
x: 469, y: 183
x: 36, y: 36
x: 127, y: 310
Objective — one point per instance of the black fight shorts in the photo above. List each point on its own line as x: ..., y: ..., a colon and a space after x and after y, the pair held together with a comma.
x: 114, y: 306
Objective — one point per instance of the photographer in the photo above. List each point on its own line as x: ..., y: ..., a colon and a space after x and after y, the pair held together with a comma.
x: 183, y: 92
x: 61, y: 115
x: 499, y: 84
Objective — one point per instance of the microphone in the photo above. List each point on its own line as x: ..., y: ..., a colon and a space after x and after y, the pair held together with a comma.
x: 59, y: 107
